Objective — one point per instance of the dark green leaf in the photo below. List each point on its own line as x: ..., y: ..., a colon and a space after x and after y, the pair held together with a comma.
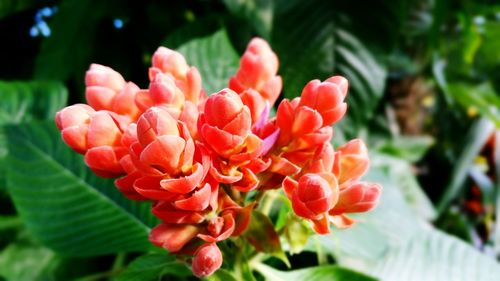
x: 258, y: 12
x: 214, y: 57
x: 151, y: 267
x: 303, y: 38
x: 313, y: 43
x: 331, y: 272
x: 65, y: 205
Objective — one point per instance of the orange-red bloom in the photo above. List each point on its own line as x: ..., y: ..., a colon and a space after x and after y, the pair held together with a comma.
x: 312, y: 197
x: 207, y: 259
x: 196, y: 158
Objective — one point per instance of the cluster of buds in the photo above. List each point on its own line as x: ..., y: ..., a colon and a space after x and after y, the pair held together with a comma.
x: 195, y: 156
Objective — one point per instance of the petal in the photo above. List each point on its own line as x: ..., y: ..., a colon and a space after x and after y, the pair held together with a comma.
x: 172, y: 236
x: 321, y: 226
x: 149, y: 187
x: 220, y: 141
x: 103, y: 130
x: 76, y: 138
x: 164, y: 153
x: 198, y: 201
x: 104, y: 160
x: 99, y: 98
x: 248, y: 182
x: 342, y: 221
x: 168, y: 214
x: 186, y: 184
x: 126, y: 186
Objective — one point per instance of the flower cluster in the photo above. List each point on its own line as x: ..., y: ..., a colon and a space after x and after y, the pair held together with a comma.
x: 193, y: 155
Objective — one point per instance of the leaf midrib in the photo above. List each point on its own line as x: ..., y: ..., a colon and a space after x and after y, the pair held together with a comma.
x: 71, y: 174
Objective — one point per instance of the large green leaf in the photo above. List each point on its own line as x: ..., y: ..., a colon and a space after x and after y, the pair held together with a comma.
x: 393, y: 243
x: 28, y: 100
x: 214, y: 57
x: 24, y: 101
x: 151, y: 267
x: 65, y: 205
x: 258, y: 12
x: 331, y: 272
x: 303, y: 38
x: 314, y: 43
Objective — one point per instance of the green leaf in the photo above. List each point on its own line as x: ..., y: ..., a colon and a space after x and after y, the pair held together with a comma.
x: 481, y: 98
x: 65, y: 205
x: 214, y: 57
x: 331, y: 272
x: 296, y: 234
x: 474, y: 141
x: 262, y: 235
x: 222, y: 275
x: 19, y: 261
x: 401, y: 172
x: 303, y: 38
x: 23, y: 101
x: 151, y: 267
x: 392, y: 243
x: 258, y: 12
x: 313, y: 43
x: 409, y: 148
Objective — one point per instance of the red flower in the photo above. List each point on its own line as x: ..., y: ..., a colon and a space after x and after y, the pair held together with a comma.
x: 207, y: 259
x: 312, y: 197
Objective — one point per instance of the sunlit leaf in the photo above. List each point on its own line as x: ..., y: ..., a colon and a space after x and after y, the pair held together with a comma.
x: 65, y: 205
x: 214, y: 57
x: 333, y: 273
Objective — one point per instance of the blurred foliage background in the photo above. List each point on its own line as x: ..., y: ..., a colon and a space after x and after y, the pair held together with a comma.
x: 424, y: 94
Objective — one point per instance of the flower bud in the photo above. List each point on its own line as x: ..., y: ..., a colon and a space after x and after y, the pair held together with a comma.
x: 207, y: 259
x: 258, y: 68
x: 357, y: 198
x: 352, y: 161
x: 100, y: 75
x: 313, y: 195
x: 226, y: 123
x: 325, y: 97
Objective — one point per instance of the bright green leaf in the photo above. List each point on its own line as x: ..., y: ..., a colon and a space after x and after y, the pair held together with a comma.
x: 21, y: 261
x: 331, y: 272
x: 408, y: 148
x: 65, y: 205
x: 24, y: 101
x: 392, y: 243
x: 214, y: 57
